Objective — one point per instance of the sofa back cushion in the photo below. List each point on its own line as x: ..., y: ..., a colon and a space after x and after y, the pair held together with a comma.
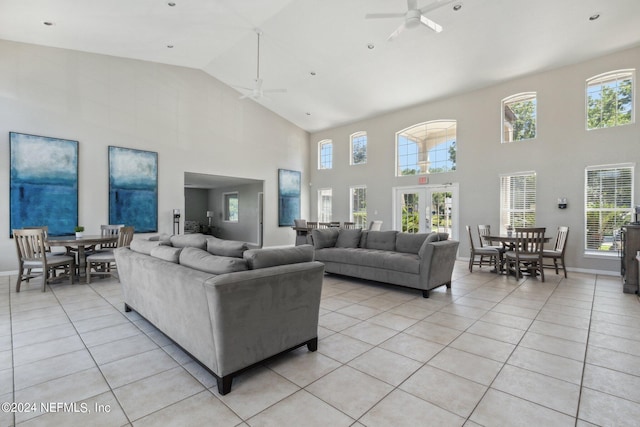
x: 189, y: 241
x: 382, y: 240
x: 144, y: 246
x: 167, y: 253
x: 325, y: 237
x: 271, y: 257
x: 437, y: 237
x: 410, y: 243
x: 199, y: 259
x: 231, y: 248
x: 348, y: 238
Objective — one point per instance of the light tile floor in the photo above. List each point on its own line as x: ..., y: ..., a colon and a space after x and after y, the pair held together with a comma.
x: 490, y: 351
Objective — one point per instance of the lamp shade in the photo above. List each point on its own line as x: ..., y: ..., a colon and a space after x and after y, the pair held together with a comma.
x: 209, y: 214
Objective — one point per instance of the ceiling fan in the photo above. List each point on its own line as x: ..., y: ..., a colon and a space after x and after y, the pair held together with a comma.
x: 257, y: 92
x: 414, y: 17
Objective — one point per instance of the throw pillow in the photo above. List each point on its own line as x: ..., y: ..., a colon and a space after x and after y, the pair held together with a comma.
x: 199, y: 259
x: 410, y: 243
x: 222, y: 247
x: 143, y: 246
x: 189, y: 241
x: 348, y: 238
x: 324, y: 237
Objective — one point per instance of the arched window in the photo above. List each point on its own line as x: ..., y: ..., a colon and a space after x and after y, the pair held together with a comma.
x: 428, y: 147
x: 359, y: 148
x: 609, y: 99
x: 519, y: 116
x: 325, y: 154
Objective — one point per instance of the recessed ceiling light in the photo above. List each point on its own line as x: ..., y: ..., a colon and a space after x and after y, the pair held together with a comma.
x: 594, y: 17
x: 171, y: 4
x: 313, y: 73
x: 48, y: 23
x: 308, y: 114
x: 371, y: 46
x: 170, y: 46
x: 457, y: 6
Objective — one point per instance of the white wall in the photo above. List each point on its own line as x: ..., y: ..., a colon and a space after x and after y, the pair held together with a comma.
x: 193, y: 121
x: 246, y: 229
x: 559, y: 154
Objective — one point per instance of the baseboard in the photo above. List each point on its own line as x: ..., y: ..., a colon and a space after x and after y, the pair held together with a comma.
x: 572, y: 269
x: 9, y: 273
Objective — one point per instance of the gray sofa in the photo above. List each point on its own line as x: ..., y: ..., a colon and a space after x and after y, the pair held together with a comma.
x: 228, y: 307
x: 420, y: 261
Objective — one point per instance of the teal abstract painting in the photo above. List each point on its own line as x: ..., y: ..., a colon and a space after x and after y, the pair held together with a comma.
x: 43, y: 183
x: 133, y: 188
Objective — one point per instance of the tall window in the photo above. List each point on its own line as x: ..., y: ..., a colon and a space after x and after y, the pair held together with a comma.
x: 359, y: 148
x: 231, y: 207
x: 325, y: 154
x: 426, y: 148
x: 359, y: 206
x: 519, y: 117
x: 610, y: 99
x: 608, y: 205
x: 518, y: 200
x: 325, y: 196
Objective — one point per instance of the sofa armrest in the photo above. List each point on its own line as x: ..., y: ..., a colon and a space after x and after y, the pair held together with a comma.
x: 437, y: 260
x: 256, y: 314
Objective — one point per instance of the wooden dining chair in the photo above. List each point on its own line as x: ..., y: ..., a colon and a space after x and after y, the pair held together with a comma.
x: 110, y: 230
x: 527, y: 252
x: 557, y: 253
x: 104, y: 262
x: 35, y: 261
x: 312, y: 224
x: 480, y: 253
x: 484, y: 231
x: 324, y: 224
x: 349, y: 225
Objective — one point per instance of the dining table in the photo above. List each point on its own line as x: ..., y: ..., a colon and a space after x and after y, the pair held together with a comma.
x: 508, y: 242
x: 81, y: 243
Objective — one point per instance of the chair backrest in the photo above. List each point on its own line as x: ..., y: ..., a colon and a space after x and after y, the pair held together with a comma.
x: 473, y: 248
x: 375, y: 225
x: 530, y: 240
x: 324, y: 224
x: 561, y: 239
x: 110, y: 230
x: 348, y: 224
x: 484, y: 230
x: 45, y: 229
x: 125, y: 236
x: 30, y: 245
x: 312, y: 224
x: 300, y: 223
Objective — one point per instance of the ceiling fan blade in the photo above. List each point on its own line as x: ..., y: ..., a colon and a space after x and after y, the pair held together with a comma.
x: 274, y: 91
x: 242, y: 87
x: 397, y: 32
x: 435, y: 5
x: 429, y: 23
x: 383, y: 15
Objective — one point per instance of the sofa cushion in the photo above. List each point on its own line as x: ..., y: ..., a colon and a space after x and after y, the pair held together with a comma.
x: 196, y: 240
x: 324, y: 237
x: 348, y: 238
x: 383, y: 240
x: 363, y: 239
x: 357, y: 257
x: 162, y: 237
x: 271, y: 257
x: 167, y: 253
x: 232, y: 248
x: 437, y: 237
x: 410, y: 242
x: 199, y: 259
x: 144, y: 246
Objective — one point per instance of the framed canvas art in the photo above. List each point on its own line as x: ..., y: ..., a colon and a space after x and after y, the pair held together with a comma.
x: 288, y: 197
x: 43, y: 183
x: 133, y: 188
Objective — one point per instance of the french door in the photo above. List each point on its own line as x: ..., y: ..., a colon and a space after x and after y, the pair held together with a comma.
x: 426, y: 208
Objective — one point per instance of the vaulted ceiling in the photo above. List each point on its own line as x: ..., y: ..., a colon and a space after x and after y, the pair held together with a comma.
x: 336, y: 66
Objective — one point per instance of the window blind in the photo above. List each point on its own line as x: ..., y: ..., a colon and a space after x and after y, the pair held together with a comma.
x: 518, y: 200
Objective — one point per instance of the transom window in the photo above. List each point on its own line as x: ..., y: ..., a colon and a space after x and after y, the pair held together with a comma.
x: 325, y: 196
x: 359, y: 148
x: 359, y: 206
x: 519, y: 117
x: 518, y: 200
x: 325, y: 154
x: 428, y: 147
x: 610, y: 99
x: 231, y: 207
x: 608, y: 205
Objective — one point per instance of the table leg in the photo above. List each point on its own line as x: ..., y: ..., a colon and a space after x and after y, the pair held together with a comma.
x: 82, y: 262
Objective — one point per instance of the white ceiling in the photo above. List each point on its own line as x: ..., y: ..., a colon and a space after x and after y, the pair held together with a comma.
x: 485, y: 42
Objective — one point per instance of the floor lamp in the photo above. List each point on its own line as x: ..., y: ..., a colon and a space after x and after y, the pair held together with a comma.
x: 176, y: 221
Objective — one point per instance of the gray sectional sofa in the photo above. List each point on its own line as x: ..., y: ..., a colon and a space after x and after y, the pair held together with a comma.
x: 228, y: 307
x: 420, y: 261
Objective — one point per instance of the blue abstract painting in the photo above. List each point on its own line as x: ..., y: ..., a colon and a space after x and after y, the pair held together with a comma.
x: 44, y: 183
x: 288, y: 197
x: 133, y: 188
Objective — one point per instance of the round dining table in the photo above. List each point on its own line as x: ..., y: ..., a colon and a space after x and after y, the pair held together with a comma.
x: 80, y: 243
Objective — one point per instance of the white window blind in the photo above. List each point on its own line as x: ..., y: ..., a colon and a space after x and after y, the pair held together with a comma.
x: 359, y: 206
x: 608, y: 205
x: 325, y: 196
x: 518, y: 200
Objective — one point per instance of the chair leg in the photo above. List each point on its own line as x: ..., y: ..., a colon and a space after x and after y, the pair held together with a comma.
x: 20, y: 273
x: 88, y: 271
x: 471, y: 264
x: 555, y: 264
x: 44, y: 280
x: 564, y: 268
